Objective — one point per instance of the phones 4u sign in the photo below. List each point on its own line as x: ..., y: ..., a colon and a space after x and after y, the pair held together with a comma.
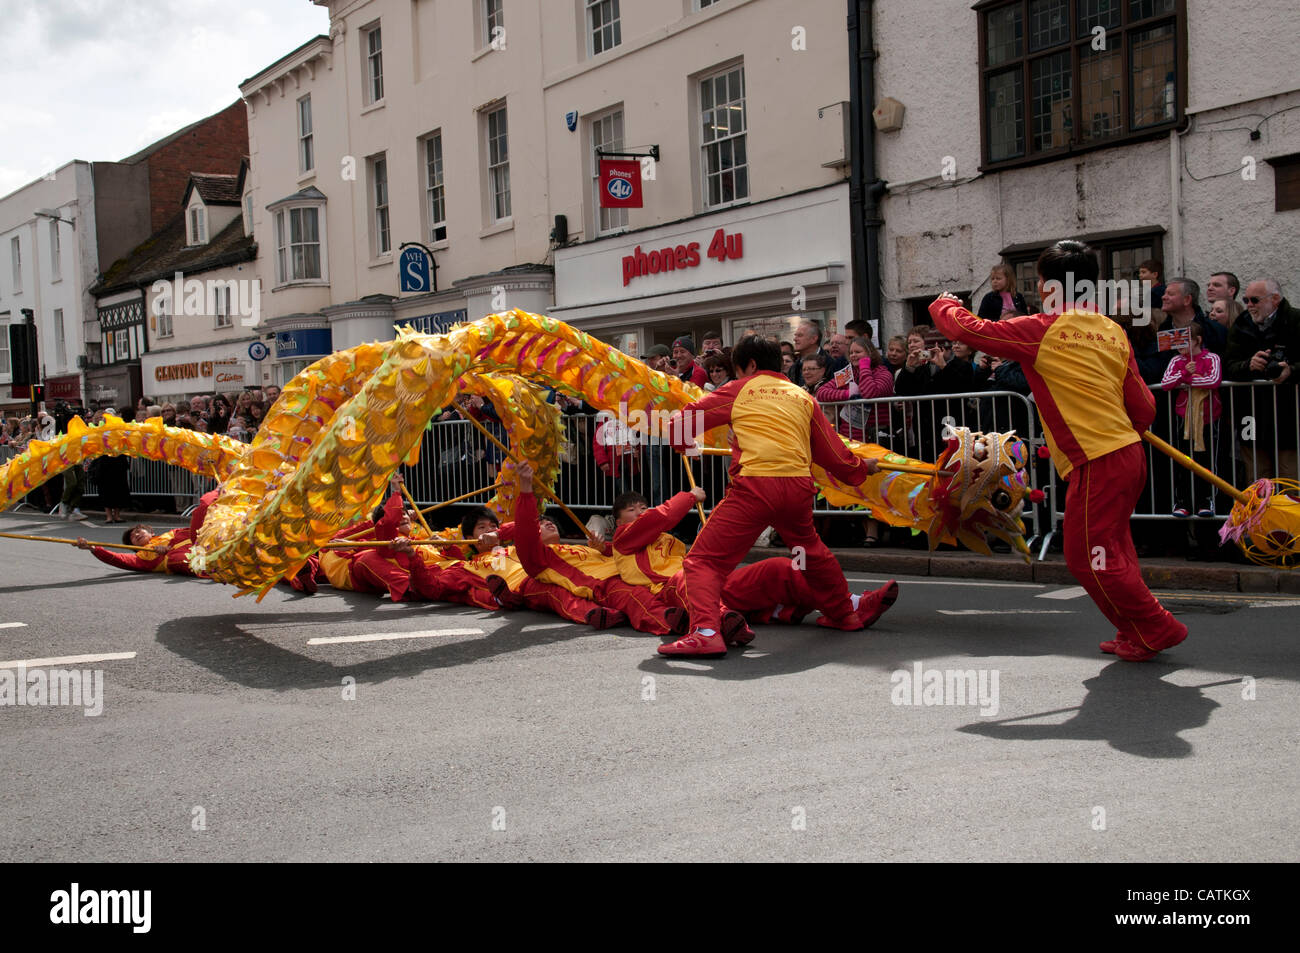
x: 620, y: 183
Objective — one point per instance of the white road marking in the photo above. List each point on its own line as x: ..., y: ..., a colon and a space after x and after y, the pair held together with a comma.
x: 1073, y: 592
x: 1273, y: 604
x: 67, y: 660
x: 946, y: 582
x: 1006, y: 611
x: 388, y: 636
x: 549, y: 625
x: 13, y: 625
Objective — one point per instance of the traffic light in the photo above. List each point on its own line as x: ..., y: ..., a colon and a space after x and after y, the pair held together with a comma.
x: 38, y: 393
x: 22, y: 353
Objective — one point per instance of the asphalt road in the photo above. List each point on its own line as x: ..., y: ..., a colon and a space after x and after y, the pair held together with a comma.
x: 228, y: 735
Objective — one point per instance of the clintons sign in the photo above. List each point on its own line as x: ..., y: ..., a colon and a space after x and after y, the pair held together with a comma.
x: 674, y: 258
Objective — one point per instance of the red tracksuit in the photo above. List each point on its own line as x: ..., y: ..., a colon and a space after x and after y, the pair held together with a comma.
x: 581, y: 573
x: 173, y: 562
x: 779, y: 432
x: 1093, y: 405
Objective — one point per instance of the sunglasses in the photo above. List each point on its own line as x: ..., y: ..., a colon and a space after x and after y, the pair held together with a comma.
x: 1250, y: 300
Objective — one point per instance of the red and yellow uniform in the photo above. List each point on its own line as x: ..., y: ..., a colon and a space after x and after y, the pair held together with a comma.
x: 173, y: 561
x: 1093, y: 405
x: 588, y: 577
x: 778, y: 433
x: 646, y: 553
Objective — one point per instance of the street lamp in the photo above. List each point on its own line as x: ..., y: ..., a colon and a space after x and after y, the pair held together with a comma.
x: 53, y: 213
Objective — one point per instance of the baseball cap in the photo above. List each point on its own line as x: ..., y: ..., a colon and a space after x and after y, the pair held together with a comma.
x: 659, y: 350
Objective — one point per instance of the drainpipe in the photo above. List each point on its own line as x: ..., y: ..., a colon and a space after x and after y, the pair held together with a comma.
x: 1174, y: 257
x: 865, y: 187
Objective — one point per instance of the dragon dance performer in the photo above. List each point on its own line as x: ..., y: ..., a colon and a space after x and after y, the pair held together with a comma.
x: 583, y: 572
x: 1094, y: 406
x: 768, y: 591
x: 778, y: 433
x: 167, y: 552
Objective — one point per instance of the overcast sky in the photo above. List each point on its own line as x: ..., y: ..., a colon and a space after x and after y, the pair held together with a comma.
x: 101, y: 79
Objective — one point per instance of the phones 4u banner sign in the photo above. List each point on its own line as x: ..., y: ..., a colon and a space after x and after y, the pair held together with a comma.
x: 620, y: 183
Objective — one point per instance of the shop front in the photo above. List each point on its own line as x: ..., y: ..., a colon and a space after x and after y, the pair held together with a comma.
x: 66, y: 389
x: 181, y: 374
x: 114, y: 385
x: 298, y: 347
x: 765, y: 266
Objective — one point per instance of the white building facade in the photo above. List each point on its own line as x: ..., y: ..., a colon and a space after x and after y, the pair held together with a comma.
x: 47, y: 263
x: 472, y: 128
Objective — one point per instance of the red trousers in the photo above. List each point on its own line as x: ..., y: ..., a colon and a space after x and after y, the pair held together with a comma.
x: 643, y: 608
x: 752, y: 503
x: 461, y: 585
x: 377, y: 573
x: 1099, y: 544
x: 545, y: 597
x: 759, y: 588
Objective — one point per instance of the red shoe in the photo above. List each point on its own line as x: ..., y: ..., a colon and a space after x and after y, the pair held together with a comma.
x: 849, y: 623
x: 1132, y: 652
x: 603, y: 618
x: 874, y: 604
x: 1110, y: 645
x: 696, y: 645
x: 678, y: 620
x: 735, y: 629
x: 500, y: 590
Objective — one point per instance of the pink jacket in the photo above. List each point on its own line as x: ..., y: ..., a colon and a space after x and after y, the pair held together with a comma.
x: 858, y: 422
x: 1204, y: 370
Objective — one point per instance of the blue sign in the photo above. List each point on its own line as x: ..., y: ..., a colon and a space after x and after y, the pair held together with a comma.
x: 571, y: 119
x: 312, y: 342
x: 439, y: 322
x: 620, y: 189
x: 258, y: 351
x: 413, y: 268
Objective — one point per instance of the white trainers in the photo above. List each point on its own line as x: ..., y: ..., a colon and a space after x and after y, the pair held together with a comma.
x: 60, y: 512
x: 77, y: 515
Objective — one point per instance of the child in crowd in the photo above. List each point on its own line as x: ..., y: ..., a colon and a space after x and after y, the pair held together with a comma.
x: 1196, y: 373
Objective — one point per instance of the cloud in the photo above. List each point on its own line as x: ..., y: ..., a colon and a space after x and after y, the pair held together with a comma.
x: 115, y: 75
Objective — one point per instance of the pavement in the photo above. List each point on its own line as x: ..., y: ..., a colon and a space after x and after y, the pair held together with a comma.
x: 975, y: 721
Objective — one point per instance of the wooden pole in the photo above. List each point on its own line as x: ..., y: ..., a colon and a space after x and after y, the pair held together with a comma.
x: 880, y: 464
x: 546, y: 491
x: 73, y: 542
x: 690, y: 478
x: 407, y: 493
x: 457, y: 499
x: 385, y: 544
x: 1184, y: 460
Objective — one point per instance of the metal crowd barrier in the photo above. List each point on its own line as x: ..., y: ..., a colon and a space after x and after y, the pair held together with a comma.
x: 1256, y: 436
x: 455, y: 458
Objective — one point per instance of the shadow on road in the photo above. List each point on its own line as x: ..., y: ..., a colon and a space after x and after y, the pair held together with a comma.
x: 220, y: 644
x: 1129, y: 706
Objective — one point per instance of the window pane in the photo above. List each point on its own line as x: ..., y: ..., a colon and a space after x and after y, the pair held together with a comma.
x: 310, y: 225
x: 1100, y: 78
x: 1094, y: 13
x: 1050, y: 99
x: 311, y: 261
x: 1141, y: 9
x: 1006, y: 116
x: 1005, y: 30
x: 1155, y: 94
x: 1049, y: 23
